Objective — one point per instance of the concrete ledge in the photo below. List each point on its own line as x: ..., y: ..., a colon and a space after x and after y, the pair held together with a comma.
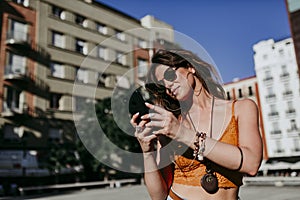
x: 272, y: 181
x: 110, y: 183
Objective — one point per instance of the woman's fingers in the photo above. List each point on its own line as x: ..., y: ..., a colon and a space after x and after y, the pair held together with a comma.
x: 160, y: 124
x: 133, y: 119
x: 155, y: 108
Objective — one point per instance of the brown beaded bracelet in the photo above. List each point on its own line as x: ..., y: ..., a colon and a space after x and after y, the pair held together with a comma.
x: 199, y: 149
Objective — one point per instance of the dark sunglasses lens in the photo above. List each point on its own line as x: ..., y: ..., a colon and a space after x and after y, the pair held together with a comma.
x: 170, y: 74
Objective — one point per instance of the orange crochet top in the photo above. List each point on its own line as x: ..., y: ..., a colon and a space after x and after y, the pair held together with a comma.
x: 189, y: 171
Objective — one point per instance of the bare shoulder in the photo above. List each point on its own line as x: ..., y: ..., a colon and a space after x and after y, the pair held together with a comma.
x: 245, y: 106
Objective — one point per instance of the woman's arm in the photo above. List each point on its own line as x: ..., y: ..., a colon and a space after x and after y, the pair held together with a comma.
x: 158, y: 174
x: 156, y: 184
x: 250, y: 142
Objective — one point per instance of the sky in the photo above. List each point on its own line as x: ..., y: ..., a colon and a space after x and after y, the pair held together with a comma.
x: 226, y: 29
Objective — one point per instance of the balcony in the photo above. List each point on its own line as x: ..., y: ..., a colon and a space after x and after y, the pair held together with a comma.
x: 271, y: 97
x: 276, y: 132
x: 287, y: 93
x: 268, y: 80
x: 20, y: 75
x: 23, y: 41
x: 284, y: 76
x: 273, y: 115
x: 18, y: 38
x: 15, y: 72
x: 279, y: 151
x: 12, y: 108
x: 290, y: 112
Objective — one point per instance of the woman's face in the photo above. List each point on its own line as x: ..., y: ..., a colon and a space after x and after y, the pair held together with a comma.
x: 178, y: 82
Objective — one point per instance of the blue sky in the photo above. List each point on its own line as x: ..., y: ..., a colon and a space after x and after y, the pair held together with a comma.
x: 226, y: 29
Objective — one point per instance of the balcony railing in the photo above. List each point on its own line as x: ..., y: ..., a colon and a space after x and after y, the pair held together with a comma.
x: 290, y: 111
x: 270, y: 97
x: 18, y: 37
x: 35, y: 52
x: 287, y: 93
x: 284, y: 75
x: 273, y: 114
x: 16, y: 72
x: 23, y: 74
x: 276, y: 132
x: 12, y: 108
x: 268, y: 79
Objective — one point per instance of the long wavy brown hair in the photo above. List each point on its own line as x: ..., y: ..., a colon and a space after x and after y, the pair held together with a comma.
x: 205, y: 72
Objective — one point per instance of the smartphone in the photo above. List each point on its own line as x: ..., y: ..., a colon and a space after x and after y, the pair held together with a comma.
x: 137, y: 104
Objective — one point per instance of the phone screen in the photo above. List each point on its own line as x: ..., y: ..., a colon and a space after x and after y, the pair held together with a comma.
x: 137, y: 104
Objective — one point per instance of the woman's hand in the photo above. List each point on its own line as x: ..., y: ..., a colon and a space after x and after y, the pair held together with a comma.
x: 163, y: 121
x: 143, y: 134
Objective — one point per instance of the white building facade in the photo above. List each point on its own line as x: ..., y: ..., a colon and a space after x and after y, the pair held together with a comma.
x: 279, y: 94
x: 247, y: 88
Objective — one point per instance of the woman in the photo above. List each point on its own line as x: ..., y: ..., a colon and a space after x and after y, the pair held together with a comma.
x: 212, y: 142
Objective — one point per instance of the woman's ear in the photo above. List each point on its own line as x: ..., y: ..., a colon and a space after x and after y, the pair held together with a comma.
x: 192, y: 69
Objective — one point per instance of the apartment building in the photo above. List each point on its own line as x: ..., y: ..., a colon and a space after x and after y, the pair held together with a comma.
x: 46, y: 47
x: 278, y: 83
x: 293, y: 11
x: 247, y: 88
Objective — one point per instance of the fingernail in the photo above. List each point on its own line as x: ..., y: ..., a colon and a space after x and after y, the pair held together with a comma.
x: 137, y: 113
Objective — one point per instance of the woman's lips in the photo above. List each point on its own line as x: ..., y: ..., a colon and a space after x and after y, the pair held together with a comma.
x: 175, y: 90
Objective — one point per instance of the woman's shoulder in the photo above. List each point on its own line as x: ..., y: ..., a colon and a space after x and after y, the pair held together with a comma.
x: 245, y: 105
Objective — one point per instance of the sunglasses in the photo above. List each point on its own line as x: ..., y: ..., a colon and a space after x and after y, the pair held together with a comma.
x: 169, y: 75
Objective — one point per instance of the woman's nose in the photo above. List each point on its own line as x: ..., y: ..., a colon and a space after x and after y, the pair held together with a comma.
x: 168, y: 84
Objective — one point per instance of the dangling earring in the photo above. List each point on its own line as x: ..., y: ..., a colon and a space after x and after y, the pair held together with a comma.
x: 197, y: 93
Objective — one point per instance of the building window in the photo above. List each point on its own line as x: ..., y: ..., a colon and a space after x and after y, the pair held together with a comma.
x: 16, y: 64
x: 284, y: 73
x: 57, y: 70
x: 12, y: 99
x: 80, y: 102
x: 58, y: 12
x: 293, y: 125
x: 281, y: 52
x: 54, y: 100
x: 276, y: 129
x: 287, y: 90
x: 142, y: 43
x: 120, y: 58
x: 120, y: 35
x: 273, y: 110
x: 296, y: 145
x: 18, y: 31
x: 240, y: 93
x: 82, y: 75
x: 265, y: 57
x: 270, y: 93
x: 58, y: 39
x: 250, y: 91
x: 22, y: 2
x: 142, y: 67
x: 228, y: 96
x: 278, y: 148
x: 268, y: 76
x: 81, y: 46
x: 101, y: 28
x: 102, y: 52
x: 80, y: 20
x: 291, y: 108
x: 55, y: 134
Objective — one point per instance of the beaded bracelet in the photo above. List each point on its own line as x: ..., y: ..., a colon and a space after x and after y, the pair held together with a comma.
x: 199, y: 148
